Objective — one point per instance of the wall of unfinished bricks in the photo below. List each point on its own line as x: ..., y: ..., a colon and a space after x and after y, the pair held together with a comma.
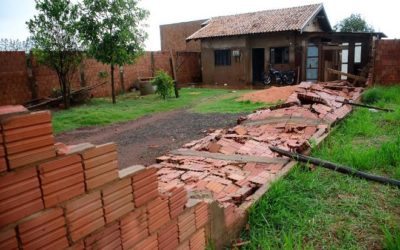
x: 51, y: 198
x: 387, y: 62
x: 17, y: 79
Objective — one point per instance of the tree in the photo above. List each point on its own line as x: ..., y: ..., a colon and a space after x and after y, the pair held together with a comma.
x: 113, y: 32
x: 353, y: 23
x: 55, y: 34
x: 16, y: 45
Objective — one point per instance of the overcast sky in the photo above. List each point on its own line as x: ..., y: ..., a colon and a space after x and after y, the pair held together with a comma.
x: 382, y: 15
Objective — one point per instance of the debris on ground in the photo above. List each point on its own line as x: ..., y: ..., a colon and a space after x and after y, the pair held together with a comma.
x: 233, y: 164
x: 270, y: 95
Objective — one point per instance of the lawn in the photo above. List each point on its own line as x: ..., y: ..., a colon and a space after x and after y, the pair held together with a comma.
x: 100, y: 111
x: 322, y: 209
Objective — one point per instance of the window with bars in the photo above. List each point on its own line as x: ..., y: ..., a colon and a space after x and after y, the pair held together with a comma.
x: 222, y: 57
x: 279, y: 55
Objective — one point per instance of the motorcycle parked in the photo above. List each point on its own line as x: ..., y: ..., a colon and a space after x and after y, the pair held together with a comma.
x: 281, y: 77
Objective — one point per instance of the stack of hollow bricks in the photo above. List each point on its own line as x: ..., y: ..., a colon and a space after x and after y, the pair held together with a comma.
x: 78, y: 199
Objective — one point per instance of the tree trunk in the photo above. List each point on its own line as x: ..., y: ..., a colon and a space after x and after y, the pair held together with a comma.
x: 121, y: 79
x: 112, y: 84
x: 65, y: 91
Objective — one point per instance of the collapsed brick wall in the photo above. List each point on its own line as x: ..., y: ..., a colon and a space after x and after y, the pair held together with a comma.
x: 15, y: 85
x: 387, y: 62
x: 55, y: 197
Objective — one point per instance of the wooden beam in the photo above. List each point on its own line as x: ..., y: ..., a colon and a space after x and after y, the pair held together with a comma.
x: 355, y: 77
x: 287, y: 119
x: 335, y: 47
x: 237, y: 158
x: 336, y: 167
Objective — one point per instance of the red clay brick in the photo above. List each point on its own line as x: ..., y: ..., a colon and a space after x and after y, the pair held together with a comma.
x: 198, y: 240
x: 2, y: 151
x: 19, y: 200
x: 29, y: 144
x: 186, y: 225
x: 100, y: 169
x: 146, y: 189
x: 138, y: 183
x: 64, y: 195
x: 44, y: 230
x: 178, y: 201
x: 101, y: 179
x: 174, y: 213
x: 43, y: 226
x: 114, y: 187
x: 100, y: 160
x: 23, y: 120
x: 8, y: 239
x: 16, y: 176
x: 59, y: 163
x: 134, y: 228
x: 28, y: 132
x: 157, y: 213
x: 19, y: 188
x: 19, y: 195
x: 84, y: 215
x: 3, y: 165
x: 65, y: 171
x: 201, y: 213
x: 62, y: 183
x: 184, y: 246
x: 61, y: 179
x: 111, y: 206
x: 57, y: 244
x: 32, y: 156
x: 143, y: 174
x: 168, y: 236
x: 77, y: 246
x: 158, y: 222
x: 140, y: 201
x: 99, y: 150
x: 150, y: 243
x: 87, y: 229
x: 172, y: 244
x: 107, y: 238
x: 119, y: 211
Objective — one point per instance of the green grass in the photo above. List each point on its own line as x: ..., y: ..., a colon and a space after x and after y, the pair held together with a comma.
x: 322, y: 209
x: 228, y: 104
x: 100, y: 111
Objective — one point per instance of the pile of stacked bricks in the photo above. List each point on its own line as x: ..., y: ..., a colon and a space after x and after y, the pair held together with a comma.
x: 54, y: 196
x: 234, y: 166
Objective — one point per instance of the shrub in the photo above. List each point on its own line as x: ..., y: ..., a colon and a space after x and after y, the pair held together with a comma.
x: 164, y: 84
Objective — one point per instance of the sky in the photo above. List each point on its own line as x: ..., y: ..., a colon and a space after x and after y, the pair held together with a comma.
x: 382, y: 15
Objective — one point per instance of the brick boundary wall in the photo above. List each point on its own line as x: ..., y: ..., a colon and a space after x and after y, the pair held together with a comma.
x: 16, y: 85
x: 50, y: 199
x: 387, y: 62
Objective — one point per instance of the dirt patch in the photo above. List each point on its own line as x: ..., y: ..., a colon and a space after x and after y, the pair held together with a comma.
x: 142, y: 140
x: 270, y: 95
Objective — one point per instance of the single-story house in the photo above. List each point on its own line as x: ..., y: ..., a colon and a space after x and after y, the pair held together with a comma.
x: 237, y: 49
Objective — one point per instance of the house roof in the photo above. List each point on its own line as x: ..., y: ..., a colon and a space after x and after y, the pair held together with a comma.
x: 288, y: 19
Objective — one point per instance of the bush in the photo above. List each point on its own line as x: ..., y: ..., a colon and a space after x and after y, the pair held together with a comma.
x: 164, y: 84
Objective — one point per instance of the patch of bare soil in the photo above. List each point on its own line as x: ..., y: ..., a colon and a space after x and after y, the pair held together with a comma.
x: 141, y: 141
x: 270, y: 95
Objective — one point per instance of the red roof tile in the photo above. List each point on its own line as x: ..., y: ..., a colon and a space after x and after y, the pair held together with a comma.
x: 287, y: 19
